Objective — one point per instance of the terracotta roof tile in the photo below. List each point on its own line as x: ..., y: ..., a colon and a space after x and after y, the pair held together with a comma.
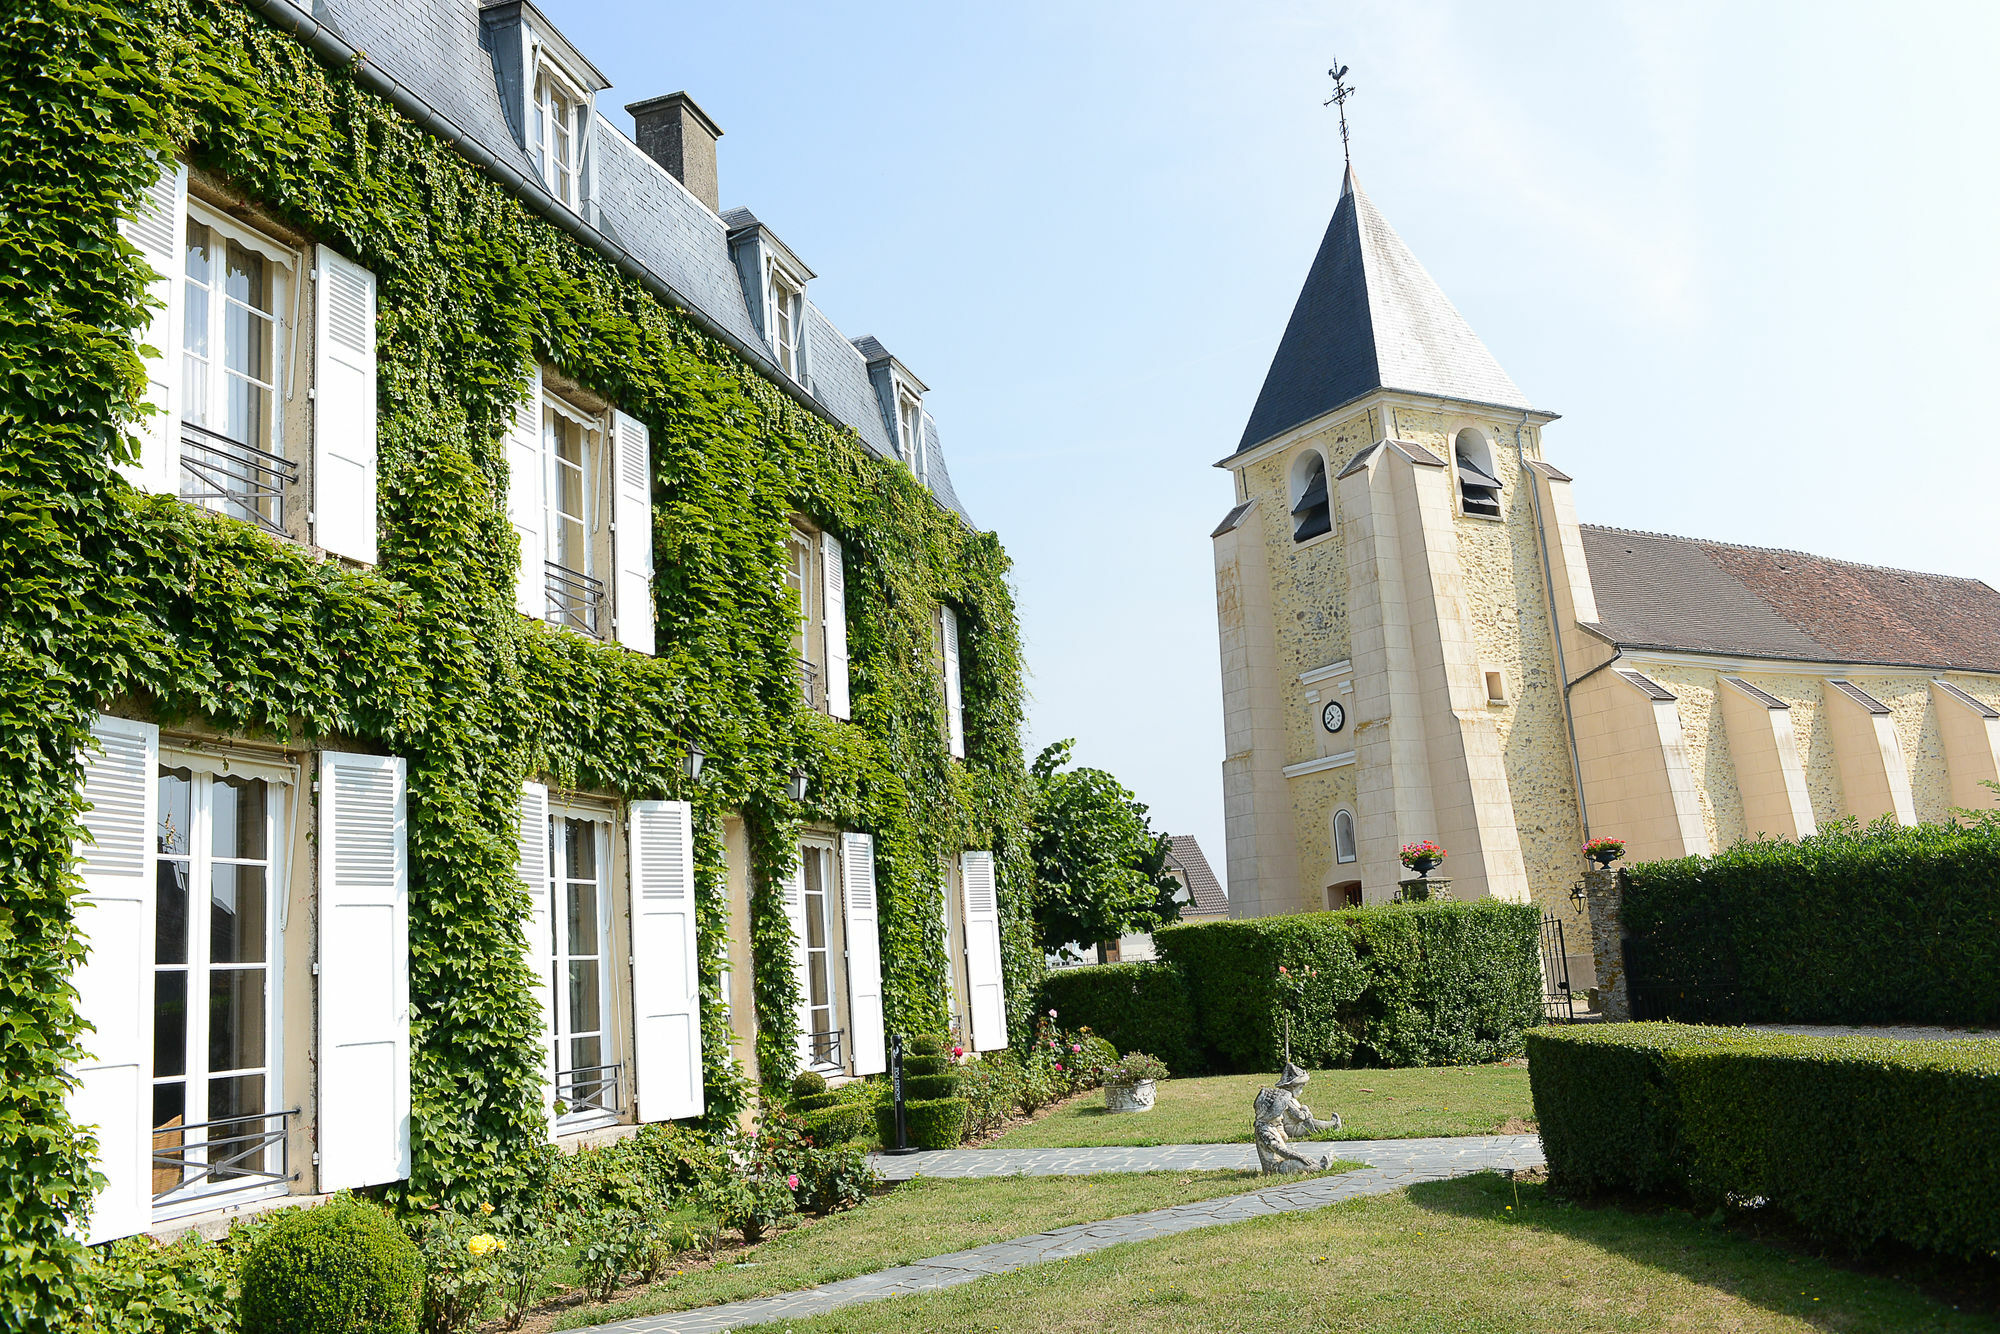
x: 1686, y: 595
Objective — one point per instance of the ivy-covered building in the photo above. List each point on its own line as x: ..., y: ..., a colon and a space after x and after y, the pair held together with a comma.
x: 486, y: 660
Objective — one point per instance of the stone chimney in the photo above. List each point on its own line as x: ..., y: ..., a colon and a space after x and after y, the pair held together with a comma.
x: 678, y: 135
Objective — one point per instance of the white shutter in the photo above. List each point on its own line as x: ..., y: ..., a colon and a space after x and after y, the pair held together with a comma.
x: 795, y: 916
x: 159, y: 230
x: 864, y: 955
x: 364, y: 972
x: 833, y: 601
x: 954, y: 700
x: 114, y: 983
x: 632, y: 506
x: 526, y: 504
x: 982, y: 952
x: 531, y: 864
x: 666, y: 992
x: 344, y: 409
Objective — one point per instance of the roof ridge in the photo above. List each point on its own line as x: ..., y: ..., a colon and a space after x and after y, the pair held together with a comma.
x: 1784, y: 551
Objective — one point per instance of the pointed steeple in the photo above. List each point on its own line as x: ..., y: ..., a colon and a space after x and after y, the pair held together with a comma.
x: 1370, y: 317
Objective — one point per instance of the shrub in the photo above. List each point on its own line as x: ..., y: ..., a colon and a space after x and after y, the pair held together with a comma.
x: 936, y: 1124
x: 1133, y: 1005
x: 1401, y: 984
x: 925, y: 1087
x: 929, y: 1044
x: 609, y: 1245
x: 462, y: 1268
x: 1850, y: 926
x: 1857, y: 1139
x: 839, y: 1124
x: 340, y: 1268
x: 1132, y: 1068
x: 813, y: 1102
x: 807, y: 1083
x: 926, y: 1065
x: 188, y: 1286
x: 991, y: 1089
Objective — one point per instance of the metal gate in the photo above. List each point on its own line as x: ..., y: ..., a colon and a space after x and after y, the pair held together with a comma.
x: 1558, y: 1006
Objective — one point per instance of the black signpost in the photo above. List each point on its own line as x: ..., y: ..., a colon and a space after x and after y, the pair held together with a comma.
x: 896, y: 1081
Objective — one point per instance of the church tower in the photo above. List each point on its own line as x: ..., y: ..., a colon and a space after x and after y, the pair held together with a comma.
x: 1389, y: 671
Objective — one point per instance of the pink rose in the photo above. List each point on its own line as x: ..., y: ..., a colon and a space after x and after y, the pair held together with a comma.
x: 1074, y: 1047
x: 957, y: 1052
x: 1058, y: 1065
x: 1283, y: 969
x: 1052, y: 1014
x: 793, y: 1181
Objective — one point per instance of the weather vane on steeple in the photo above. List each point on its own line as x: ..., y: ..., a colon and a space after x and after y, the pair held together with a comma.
x: 1341, y: 92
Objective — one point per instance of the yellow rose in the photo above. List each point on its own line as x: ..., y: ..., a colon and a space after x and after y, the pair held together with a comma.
x: 484, y: 1245
x: 485, y: 1208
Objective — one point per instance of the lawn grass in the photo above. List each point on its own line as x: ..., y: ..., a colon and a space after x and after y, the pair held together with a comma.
x: 1448, y: 1256
x: 1373, y: 1104
x: 922, y: 1218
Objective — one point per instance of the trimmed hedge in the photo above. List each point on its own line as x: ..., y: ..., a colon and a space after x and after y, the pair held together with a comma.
x: 1133, y: 1006
x: 1857, y: 1139
x: 917, y: 1066
x: 341, y: 1268
x: 924, y: 1088
x: 1850, y: 926
x: 938, y: 1123
x: 1398, y: 984
x: 838, y: 1124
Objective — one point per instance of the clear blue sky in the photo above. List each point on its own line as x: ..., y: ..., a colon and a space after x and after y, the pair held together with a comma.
x: 1747, y: 251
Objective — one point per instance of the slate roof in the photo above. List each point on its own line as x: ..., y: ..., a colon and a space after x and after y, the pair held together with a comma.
x: 1370, y: 317
x: 1185, y: 854
x: 1686, y: 595
x: 431, y: 49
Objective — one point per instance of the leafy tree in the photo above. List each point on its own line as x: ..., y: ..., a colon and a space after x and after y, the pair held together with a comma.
x: 1100, y: 870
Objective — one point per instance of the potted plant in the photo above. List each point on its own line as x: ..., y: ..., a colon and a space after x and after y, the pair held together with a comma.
x: 1130, y: 1082
x: 1424, y: 857
x: 1604, y: 851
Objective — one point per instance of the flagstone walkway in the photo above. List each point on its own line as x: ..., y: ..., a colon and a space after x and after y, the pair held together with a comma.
x: 1392, y: 1164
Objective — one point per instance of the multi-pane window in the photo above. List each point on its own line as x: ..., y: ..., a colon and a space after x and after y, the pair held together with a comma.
x: 822, y: 1008
x: 572, y: 445
x: 212, y: 998
x: 786, y: 311
x: 799, y: 577
x: 580, y: 893
x: 912, y: 426
x: 232, y: 457
x: 555, y: 136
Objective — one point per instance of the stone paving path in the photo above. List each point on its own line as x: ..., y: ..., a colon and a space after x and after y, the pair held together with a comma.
x: 1393, y: 1164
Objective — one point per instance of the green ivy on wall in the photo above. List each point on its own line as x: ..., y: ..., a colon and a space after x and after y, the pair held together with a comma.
x: 114, y: 598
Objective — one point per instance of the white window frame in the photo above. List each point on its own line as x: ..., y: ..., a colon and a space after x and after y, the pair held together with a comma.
x: 198, y: 969
x: 596, y: 500
x: 214, y: 376
x: 910, y: 430
x: 785, y: 306
x: 561, y: 1025
x: 550, y: 79
x: 829, y: 896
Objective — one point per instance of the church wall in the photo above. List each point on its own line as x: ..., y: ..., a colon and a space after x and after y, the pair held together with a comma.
x: 1709, y: 759
x: 1918, y: 733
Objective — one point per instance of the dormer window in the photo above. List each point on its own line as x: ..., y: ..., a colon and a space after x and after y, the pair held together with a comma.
x: 555, y: 135
x: 1478, y: 487
x: 787, y: 312
x: 911, y: 419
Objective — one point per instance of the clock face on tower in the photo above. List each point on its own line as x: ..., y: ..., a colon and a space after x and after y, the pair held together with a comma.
x: 1333, y: 717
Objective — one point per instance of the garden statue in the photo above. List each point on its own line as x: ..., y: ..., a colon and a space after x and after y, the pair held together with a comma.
x: 1279, y: 1114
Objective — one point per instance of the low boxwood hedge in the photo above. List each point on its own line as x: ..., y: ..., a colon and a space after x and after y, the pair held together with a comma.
x: 1400, y: 984
x: 1133, y: 1006
x: 925, y: 1088
x: 1858, y: 1139
x: 837, y: 1124
x: 935, y: 1123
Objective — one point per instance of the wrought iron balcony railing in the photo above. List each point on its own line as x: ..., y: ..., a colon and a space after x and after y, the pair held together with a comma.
x: 240, y: 480
x: 209, y: 1157
x: 575, y: 600
x: 826, y: 1047
x: 589, y: 1089
x: 809, y: 682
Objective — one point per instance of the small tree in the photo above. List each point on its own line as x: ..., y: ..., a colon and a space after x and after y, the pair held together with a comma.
x: 1100, y: 870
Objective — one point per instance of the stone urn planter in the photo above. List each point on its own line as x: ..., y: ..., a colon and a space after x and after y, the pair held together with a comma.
x: 1135, y: 1097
